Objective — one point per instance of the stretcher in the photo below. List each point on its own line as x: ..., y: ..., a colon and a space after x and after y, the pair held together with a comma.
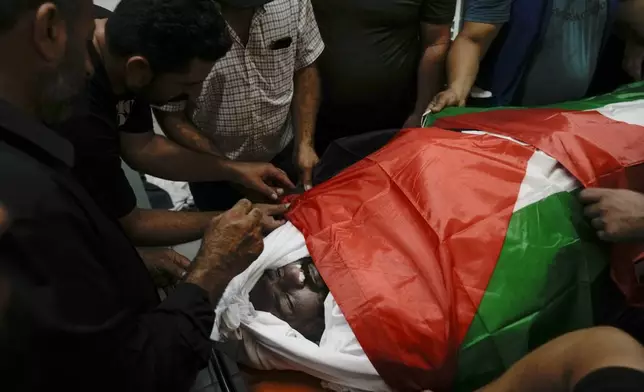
x: 612, y: 165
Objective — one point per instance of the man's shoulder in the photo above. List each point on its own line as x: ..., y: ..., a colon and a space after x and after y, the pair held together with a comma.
x: 279, y: 7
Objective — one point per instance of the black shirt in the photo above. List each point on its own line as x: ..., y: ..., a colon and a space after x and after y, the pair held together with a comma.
x: 370, y: 62
x: 83, y: 313
x: 98, y: 118
x: 612, y: 379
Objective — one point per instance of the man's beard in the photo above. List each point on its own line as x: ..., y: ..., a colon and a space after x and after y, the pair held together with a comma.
x: 60, y: 87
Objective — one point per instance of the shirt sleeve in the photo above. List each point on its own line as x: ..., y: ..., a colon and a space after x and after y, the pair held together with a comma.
x: 309, y: 40
x: 173, y: 107
x: 76, y: 317
x: 139, y: 119
x: 440, y: 12
x: 487, y: 11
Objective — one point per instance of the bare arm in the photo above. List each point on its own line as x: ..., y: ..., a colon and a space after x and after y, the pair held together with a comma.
x: 165, y: 228
x: 161, y: 157
x: 158, y: 156
x: 435, y: 41
x: 558, y: 365
x: 306, y: 101
x: 178, y: 127
x: 463, y: 60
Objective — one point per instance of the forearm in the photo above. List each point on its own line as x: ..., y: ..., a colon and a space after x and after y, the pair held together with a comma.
x: 431, y: 75
x: 161, y: 157
x: 165, y: 228
x: 463, y: 65
x: 178, y: 128
x: 306, y: 101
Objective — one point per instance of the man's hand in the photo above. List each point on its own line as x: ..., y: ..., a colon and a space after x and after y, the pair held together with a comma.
x: 616, y: 214
x: 633, y: 60
x: 445, y: 99
x: 413, y: 121
x: 261, y: 177
x: 273, y: 215
x: 231, y: 243
x: 306, y: 159
x: 165, y: 265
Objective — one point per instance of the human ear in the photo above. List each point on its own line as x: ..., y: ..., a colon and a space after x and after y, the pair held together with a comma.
x: 138, y: 73
x: 50, y: 33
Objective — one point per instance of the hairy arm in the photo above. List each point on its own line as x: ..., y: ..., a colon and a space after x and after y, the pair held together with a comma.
x: 165, y: 228
x: 161, y: 157
x: 178, y: 127
x: 469, y: 48
x: 463, y: 60
x: 306, y: 101
x: 435, y: 41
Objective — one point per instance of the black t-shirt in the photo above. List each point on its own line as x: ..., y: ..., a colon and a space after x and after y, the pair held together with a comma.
x: 612, y: 379
x: 99, y: 117
x: 370, y: 61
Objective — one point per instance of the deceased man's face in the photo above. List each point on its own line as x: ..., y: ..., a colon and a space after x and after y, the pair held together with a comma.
x: 294, y: 293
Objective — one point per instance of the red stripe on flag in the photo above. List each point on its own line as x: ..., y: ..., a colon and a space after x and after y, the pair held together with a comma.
x: 597, y: 150
x: 407, y: 240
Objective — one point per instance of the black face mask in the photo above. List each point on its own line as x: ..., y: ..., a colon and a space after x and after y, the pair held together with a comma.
x: 244, y: 3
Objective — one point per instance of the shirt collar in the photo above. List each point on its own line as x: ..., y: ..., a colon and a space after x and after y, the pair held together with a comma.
x: 13, y: 120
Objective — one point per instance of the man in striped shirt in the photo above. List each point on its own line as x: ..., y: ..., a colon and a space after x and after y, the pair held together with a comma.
x: 260, y: 101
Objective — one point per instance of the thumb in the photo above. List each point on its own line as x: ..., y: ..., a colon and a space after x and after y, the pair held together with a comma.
x: 440, y: 103
x: 307, y: 178
x: 180, y: 260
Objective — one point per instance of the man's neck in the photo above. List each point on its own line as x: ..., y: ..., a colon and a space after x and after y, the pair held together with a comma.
x: 113, y: 65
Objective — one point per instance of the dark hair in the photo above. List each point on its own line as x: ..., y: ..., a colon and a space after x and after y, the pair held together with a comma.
x: 11, y: 10
x: 168, y: 33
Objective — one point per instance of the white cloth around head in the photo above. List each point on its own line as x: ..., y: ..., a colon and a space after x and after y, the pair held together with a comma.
x: 270, y: 343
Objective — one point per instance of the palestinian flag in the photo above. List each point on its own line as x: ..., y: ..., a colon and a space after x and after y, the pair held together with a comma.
x: 452, y: 254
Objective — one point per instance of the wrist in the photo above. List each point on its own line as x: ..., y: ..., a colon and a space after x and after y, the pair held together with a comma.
x: 210, y: 274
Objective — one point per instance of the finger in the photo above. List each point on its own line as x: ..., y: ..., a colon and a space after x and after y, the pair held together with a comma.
x: 592, y: 210
x: 598, y: 223
x: 280, y: 177
x: 181, y: 260
x: 593, y: 195
x: 307, y: 178
x: 242, y: 208
x: 269, y: 224
x: 255, y: 217
x: 438, y: 104
x: 275, y: 209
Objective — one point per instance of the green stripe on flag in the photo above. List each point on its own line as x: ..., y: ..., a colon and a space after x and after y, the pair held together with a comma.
x: 627, y: 93
x: 546, y: 275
